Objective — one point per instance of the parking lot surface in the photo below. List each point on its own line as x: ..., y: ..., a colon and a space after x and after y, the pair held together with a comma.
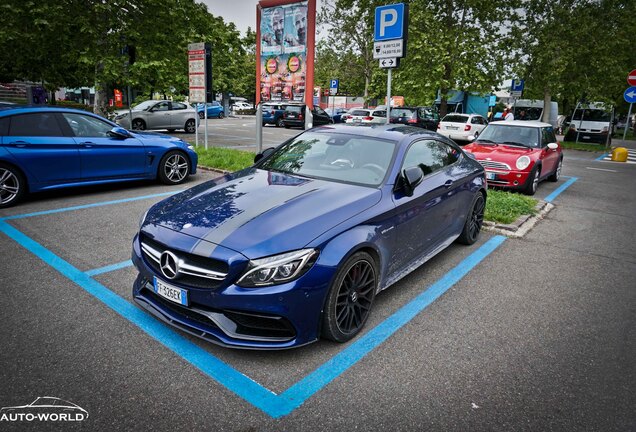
x: 508, y: 334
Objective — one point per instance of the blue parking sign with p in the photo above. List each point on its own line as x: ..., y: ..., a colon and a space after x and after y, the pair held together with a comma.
x: 389, y: 22
x: 334, y: 84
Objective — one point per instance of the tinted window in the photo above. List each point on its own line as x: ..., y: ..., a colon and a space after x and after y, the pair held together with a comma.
x: 295, y: 109
x: 430, y: 155
x: 40, y: 124
x: 87, y: 126
x: 592, y: 115
x: 403, y: 112
x: 547, y: 136
x: 320, y: 111
x: 161, y: 106
x: 178, y: 106
x: 379, y: 113
x: 359, y: 113
x: 454, y: 118
x: 4, y: 126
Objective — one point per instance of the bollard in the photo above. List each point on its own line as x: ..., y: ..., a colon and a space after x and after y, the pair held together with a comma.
x: 619, y: 154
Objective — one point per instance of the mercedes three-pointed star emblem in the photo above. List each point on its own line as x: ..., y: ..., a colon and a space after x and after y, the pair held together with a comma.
x: 169, y: 265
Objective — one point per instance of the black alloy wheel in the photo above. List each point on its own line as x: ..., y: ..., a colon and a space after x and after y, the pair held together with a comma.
x: 138, y: 124
x: 350, y: 298
x: 190, y: 126
x: 474, y: 221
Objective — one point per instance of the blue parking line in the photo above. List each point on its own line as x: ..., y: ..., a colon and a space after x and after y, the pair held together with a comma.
x: 274, y: 405
x: 602, y: 157
x: 109, y: 268
x: 97, y: 204
x: 560, y: 189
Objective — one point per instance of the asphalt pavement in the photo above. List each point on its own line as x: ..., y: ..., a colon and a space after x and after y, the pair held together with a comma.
x: 531, y: 334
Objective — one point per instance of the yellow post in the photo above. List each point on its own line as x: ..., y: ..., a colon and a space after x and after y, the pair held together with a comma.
x: 619, y: 154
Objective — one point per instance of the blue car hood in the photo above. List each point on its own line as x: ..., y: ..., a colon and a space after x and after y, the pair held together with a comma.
x: 260, y: 213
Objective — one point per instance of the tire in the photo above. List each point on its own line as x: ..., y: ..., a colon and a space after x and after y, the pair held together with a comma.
x: 286, y: 126
x: 532, y: 184
x: 171, y: 130
x: 190, y: 126
x: 201, y: 115
x: 474, y: 221
x: 350, y: 298
x: 174, y: 168
x: 12, y: 185
x: 280, y: 123
x: 221, y: 115
x: 138, y: 124
x: 556, y: 175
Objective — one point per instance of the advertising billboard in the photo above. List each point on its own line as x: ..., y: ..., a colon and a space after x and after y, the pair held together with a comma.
x: 285, y: 50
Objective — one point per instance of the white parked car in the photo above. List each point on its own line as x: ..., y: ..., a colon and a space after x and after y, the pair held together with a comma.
x: 377, y: 116
x: 462, y: 127
x: 240, y: 106
x: 356, y: 115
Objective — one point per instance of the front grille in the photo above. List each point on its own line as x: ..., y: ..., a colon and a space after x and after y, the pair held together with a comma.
x: 494, y: 165
x: 195, y: 271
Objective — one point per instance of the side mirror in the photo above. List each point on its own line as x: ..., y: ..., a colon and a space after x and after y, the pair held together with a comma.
x: 476, y: 134
x: 265, y: 153
x: 119, y: 132
x: 411, y: 177
x: 553, y: 146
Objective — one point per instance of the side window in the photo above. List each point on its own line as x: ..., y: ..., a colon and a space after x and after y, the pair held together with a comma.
x: 321, y: 111
x: 87, y: 126
x: 4, y: 126
x: 430, y: 155
x: 545, y: 137
x: 161, y: 106
x: 40, y: 124
x: 178, y: 106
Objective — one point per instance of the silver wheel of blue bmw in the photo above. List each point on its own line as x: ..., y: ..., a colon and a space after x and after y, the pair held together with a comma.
x: 11, y: 186
x: 173, y: 168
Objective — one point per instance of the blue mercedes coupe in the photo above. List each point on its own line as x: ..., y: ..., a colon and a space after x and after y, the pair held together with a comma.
x: 44, y: 148
x: 298, y: 245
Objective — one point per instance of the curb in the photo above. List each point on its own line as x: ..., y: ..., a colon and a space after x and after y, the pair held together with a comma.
x: 522, y: 225
x: 213, y: 170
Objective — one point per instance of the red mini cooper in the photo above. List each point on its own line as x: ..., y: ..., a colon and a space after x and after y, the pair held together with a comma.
x: 518, y: 154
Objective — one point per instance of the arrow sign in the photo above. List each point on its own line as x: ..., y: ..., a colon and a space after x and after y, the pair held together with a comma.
x: 388, y: 63
x: 630, y: 95
x: 631, y: 78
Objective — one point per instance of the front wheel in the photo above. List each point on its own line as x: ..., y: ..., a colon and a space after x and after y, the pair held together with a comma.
x: 280, y: 123
x: 190, y: 126
x: 173, y: 168
x: 221, y: 115
x: 350, y: 298
x: 138, y: 124
x: 532, y: 183
x: 12, y: 185
x: 474, y: 221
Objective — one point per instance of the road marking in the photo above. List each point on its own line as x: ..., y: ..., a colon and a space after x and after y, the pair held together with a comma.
x: 266, y: 400
x: 631, y: 157
x: 560, y: 189
x: 601, y: 169
x: 109, y: 268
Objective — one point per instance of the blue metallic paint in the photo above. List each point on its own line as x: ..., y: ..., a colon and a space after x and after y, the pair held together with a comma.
x: 60, y: 162
x: 254, y: 213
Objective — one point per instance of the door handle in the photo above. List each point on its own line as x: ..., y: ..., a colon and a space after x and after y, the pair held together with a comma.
x: 448, y: 183
x: 87, y: 144
x: 19, y: 144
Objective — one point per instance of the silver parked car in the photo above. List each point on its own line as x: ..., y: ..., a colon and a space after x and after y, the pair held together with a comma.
x: 159, y: 114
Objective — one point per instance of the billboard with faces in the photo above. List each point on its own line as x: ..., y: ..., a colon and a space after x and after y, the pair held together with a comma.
x: 285, y: 50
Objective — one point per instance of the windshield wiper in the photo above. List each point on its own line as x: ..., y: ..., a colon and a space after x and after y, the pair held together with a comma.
x: 518, y: 144
x: 485, y: 141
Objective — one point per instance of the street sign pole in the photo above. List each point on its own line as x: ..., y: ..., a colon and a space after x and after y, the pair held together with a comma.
x: 629, y: 115
x: 388, y: 97
x: 259, y: 127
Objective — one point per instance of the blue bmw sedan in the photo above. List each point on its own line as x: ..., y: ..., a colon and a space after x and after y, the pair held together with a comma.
x: 43, y: 148
x: 297, y: 246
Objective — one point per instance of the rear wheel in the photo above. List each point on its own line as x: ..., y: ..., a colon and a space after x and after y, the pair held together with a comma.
x: 173, y: 168
x: 280, y: 123
x: 350, y: 298
x: 12, y: 185
x: 190, y: 126
x: 474, y: 221
x: 556, y: 175
x: 201, y: 115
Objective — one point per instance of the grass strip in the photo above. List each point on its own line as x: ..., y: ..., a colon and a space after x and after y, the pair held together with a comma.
x: 506, y: 207
x: 224, y: 159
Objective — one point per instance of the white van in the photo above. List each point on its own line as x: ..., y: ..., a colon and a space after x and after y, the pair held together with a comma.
x: 532, y: 109
x: 591, y: 123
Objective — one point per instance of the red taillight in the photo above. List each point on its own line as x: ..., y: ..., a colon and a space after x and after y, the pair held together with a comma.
x: 300, y: 116
x: 367, y: 118
x: 273, y: 112
x: 411, y: 121
x: 467, y: 128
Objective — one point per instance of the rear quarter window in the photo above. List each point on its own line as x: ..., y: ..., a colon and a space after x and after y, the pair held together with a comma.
x: 38, y: 124
x: 4, y: 126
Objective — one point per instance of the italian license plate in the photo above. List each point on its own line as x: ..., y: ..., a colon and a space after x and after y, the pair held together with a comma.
x: 171, y: 293
x: 453, y: 127
x: 490, y: 176
x: 357, y: 120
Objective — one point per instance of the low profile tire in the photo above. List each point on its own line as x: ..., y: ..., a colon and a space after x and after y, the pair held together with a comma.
x: 474, y: 221
x: 532, y: 184
x: 12, y: 185
x: 138, y: 124
x: 280, y: 123
x: 190, y: 126
x: 221, y: 115
x: 350, y: 298
x: 174, y: 168
x: 556, y: 175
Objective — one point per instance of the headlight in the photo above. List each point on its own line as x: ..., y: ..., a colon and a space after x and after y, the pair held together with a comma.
x: 523, y: 162
x: 143, y: 218
x: 278, y: 268
x: 121, y: 116
x: 190, y: 147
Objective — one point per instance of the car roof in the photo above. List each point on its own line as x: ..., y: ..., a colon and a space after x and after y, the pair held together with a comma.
x: 25, y: 109
x: 391, y: 132
x: 525, y: 123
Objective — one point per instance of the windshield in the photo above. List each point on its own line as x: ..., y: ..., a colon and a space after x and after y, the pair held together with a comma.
x: 454, y: 118
x: 332, y: 156
x: 515, y: 135
x: 359, y: 113
x: 402, y: 112
x: 144, y: 105
x: 592, y: 115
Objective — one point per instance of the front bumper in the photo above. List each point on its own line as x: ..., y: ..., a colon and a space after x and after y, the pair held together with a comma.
x: 274, y: 317
x: 506, y: 179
